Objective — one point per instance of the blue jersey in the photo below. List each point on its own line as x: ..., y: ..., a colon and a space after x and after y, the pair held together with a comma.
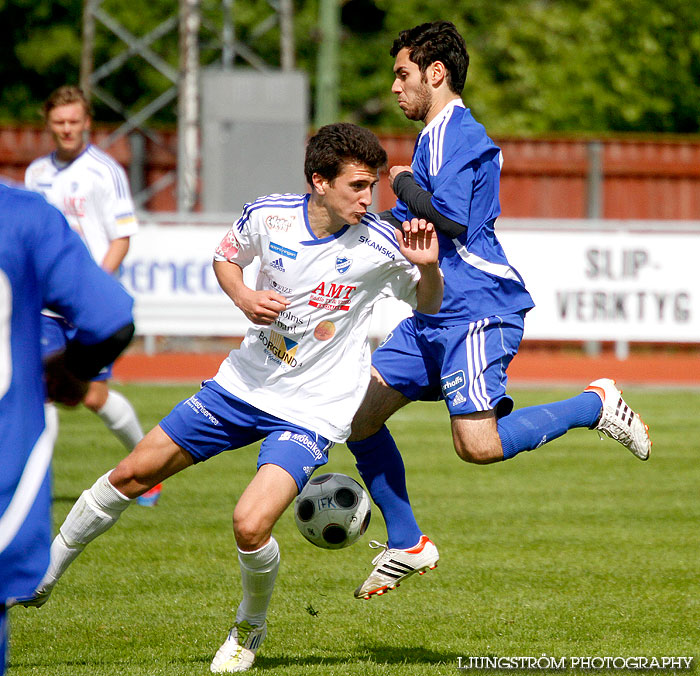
x: 459, y: 165
x: 43, y: 263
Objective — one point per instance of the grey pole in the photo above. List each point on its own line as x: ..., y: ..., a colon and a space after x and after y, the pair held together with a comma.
x: 594, y: 209
x: 594, y: 197
x: 228, y: 50
x: 287, y: 50
x: 327, y: 64
x: 188, y: 109
x: 88, y: 47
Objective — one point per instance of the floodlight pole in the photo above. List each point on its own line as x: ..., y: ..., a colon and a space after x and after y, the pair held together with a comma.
x: 228, y: 49
x: 287, y: 49
x: 88, y: 46
x: 327, y: 64
x: 188, y: 108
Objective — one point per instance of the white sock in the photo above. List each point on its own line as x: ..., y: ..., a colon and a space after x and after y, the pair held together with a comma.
x: 121, y: 419
x: 258, y: 573
x: 95, y: 511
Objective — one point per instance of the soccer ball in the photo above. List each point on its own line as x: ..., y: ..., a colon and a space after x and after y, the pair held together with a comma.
x: 332, y: 511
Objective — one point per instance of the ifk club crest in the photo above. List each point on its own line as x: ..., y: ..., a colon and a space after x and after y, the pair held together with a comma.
x: 342, y: 264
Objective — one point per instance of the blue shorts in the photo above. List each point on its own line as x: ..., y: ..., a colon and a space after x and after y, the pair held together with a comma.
x: 56, y: 333
x: 214, y: 420
x: 465, y: 365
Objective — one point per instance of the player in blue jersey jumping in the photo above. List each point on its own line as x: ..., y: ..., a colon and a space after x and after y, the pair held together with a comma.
x: 43, y: 264
x: 461, y: 354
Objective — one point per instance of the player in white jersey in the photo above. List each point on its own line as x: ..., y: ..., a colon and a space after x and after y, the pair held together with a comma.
x: 91, y: 190
x: 300, y: 373
x: 318, y: 342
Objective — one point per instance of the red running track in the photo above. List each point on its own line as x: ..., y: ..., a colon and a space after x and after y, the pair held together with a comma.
x: 529, y: 367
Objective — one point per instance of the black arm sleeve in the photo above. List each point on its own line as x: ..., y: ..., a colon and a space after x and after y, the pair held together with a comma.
x: 86, y: 361
x: 419, y: 201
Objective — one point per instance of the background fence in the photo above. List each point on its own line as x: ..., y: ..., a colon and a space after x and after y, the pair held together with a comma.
x: 612, y: 178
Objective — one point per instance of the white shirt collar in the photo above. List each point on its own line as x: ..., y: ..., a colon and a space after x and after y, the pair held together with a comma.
x: 445, y: 112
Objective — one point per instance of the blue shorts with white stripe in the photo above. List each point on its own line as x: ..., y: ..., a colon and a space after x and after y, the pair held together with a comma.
x: 465, y: 364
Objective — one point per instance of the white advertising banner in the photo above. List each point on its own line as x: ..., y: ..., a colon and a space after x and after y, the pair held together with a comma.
x: 605, y: 284
x: 168, y: 271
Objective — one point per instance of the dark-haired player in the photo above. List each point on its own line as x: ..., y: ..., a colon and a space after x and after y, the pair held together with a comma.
x: 300, y: 373
x: 461, y: 354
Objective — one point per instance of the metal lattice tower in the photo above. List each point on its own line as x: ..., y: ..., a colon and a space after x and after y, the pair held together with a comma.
x: 183, y: 77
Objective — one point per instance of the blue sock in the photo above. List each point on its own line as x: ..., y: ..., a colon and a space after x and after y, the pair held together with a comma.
x: 381, y: 467
x: 534, y: 426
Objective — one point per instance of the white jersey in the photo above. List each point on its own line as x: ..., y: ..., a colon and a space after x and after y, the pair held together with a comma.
x: 93, y: 194
x: 311, y: 366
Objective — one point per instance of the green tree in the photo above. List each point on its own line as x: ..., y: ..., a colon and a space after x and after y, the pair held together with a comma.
x: 537, y: 66
x: 38, y: 43
x: 601, y: 65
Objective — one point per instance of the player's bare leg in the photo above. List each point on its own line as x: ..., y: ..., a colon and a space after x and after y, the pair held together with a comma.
x: 96, y: 396
x: 379, y: 404
x: 128, y: 429
x: 263, y: 502
x: 481, y: 439
x: 382, y: 470
x: 120, y: 418
x: 115, y: 411
x: 475, y: 437
x: 153, y: 460
x: 98, y: 508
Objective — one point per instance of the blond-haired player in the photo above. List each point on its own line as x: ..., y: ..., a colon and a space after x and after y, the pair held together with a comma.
x: 91, y: 190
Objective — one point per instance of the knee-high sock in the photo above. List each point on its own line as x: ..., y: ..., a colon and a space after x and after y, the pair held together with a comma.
x: 258, y: 572
x: 381, y: 467
x: 534, y: 426
x: 95, y: 511
x: 120, y: 418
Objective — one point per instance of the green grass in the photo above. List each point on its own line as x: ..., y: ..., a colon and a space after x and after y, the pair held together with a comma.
x: 576, y: 549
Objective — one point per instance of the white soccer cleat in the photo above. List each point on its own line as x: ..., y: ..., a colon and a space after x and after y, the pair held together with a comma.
x: 618, y: 421
x: 238, y: 651
x: 393, y: 566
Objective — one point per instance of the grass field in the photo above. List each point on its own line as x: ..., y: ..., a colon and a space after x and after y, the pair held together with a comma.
x: 577, y: 549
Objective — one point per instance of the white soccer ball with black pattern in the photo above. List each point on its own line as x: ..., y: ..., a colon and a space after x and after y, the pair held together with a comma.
x: 332, y: 511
